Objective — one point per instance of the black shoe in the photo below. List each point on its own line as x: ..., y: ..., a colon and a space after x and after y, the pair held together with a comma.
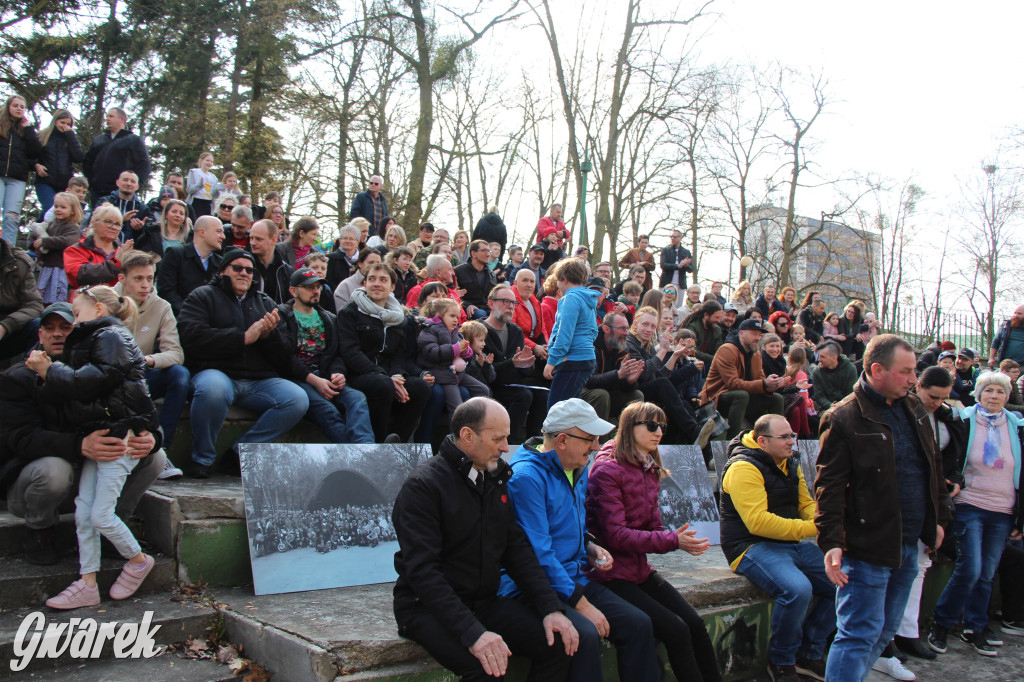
x: 393, y: 438
x: 230, y: 463
x: 977, y: 641
x: 41, y: 546
x: 783, y: 673
x: 914, y: 647
x: 814, y: 670
x: 196, y: 470
x: 990, y: 636
x: 937, y: 639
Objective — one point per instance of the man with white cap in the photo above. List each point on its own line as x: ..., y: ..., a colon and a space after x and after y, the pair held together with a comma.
x: 548, y: 489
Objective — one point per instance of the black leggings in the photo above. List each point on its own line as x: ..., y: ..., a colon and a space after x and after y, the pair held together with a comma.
x: 676, y: 624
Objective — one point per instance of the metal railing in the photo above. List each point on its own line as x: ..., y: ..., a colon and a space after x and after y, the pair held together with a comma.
x: 923, y: 327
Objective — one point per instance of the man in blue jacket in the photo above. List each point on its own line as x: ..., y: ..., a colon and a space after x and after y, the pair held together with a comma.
x: 371, y: 204
x: 571, y: 358
x: 548, y: 489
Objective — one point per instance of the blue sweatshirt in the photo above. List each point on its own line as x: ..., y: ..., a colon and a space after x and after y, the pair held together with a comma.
x: 575, y: 327
x: 551, y: 510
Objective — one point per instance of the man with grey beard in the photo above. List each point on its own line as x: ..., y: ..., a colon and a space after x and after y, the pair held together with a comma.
x: 513, y: 365
x: 613, y: 385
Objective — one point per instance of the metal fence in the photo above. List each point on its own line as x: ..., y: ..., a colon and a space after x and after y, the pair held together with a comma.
x: 923, y: 327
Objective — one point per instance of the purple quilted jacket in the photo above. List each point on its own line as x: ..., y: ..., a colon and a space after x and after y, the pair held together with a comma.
x: 623, y: 514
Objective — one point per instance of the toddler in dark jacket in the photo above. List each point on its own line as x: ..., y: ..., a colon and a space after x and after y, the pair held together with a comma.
x: 444, y: 353
x: 100, y: 384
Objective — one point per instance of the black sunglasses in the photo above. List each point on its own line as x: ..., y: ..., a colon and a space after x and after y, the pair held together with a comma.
x: 653, y: 425
x: 242, y: 268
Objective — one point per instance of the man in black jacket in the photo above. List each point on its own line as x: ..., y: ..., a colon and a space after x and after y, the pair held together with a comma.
x: 371, y: 338
x: 613, y: 385
x: 676, y: 261
x: 477, y: 279
x: 112, y: 152
x: 513, y: 365
x: 134, y: 213
x: 237, y: 356
x: 456, y: 532
x: 184, y: 270
x: 491, y: 228
x: 272, y: 273
x: 317, y: 367
x: 41, y: 455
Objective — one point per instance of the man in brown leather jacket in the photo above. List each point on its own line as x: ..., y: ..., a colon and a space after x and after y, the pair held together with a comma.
x: 879, y: 489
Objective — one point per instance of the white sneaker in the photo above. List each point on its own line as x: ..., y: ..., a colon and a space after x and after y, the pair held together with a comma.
x: 170, y: 471
x: 893, y: 668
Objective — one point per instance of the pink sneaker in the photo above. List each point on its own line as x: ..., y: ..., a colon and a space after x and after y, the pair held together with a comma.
x: 77, y: 594
x: 131, y: 577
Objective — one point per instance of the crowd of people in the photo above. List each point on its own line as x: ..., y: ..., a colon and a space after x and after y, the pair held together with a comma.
x: 204, y: 300
x: 324, y: 530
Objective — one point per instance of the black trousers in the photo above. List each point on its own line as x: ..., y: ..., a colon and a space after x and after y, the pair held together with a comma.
x: 676, y: 624
x: 1011, y: 582
x: 387, y: 415
x: 682, y: 424
x: 526, y: 409
x: 519, y: 625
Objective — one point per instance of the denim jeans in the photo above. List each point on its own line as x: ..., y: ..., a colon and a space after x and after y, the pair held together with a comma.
x: 868, y: 612
x: 980, y: 538
x: 280, y: 402
x: 354, y: 427
x: 12, y: 193
x: 45, y: 194
x: 98, y: 490
x: 568, y: 380
x: 793, y: 574
x: 171, y: 384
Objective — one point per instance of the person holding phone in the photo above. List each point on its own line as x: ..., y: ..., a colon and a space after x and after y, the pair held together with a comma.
x: 134, y: 213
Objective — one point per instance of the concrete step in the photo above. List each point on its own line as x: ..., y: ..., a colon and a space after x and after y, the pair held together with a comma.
x: 202, y: 524
x: 25, y: 585
x: 164, y: 668
x: 13, y: 533
x: 177, y: 621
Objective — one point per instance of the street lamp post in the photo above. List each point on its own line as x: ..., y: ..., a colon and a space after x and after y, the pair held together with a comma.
x: 585, y: 168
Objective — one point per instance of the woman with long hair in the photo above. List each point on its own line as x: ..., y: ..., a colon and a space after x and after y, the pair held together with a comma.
x: 305, y: 234
x: 173, y: 230
x: 849, y: 328
x: 988, y: 510
x: 787, y: 302
x: 61, y: 150
x: 20, y: 152
x: 460, y: 246
x: 742, y: 297
x: 624, y: 515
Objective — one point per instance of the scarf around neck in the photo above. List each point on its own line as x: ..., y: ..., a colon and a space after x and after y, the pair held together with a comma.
x: 391, y: 316
x: 993, y: 421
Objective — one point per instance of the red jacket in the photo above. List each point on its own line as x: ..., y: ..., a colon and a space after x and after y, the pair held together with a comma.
x: 414, y: 294
x: 546, y: 226
x: 548, y: 308
x: 623, y: 515
x: 531, y: 336
x: 86, y: 265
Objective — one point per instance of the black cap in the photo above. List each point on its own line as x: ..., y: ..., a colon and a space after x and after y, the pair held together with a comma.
x: 966, y: 353
x: 61, y: 308
x: 596, y: 283
x: 538, y: 247
x: 168, y: 191
x: 303, y: 277
x: 233, y: 253
x: 751, y: 325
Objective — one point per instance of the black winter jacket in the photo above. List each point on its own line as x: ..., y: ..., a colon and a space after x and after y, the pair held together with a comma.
x: 609, y: 360
x: 330, y: 361
x: 60, y: 154
x: 212, y: 324
x: 814, y: 325
x: 453, y: 543
x: 505, y: 371
x: 19, y: 154
x: 109, y: 156
x: 368, y: 346
x: 338, y: 269
x: 100, y: 381
x: 274, y: 279
x: 181, y: 272
x: 469, y: 278
x: 491, y: 228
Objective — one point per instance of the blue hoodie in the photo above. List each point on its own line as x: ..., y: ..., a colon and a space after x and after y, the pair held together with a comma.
x: 575, y: 327
x: 552, y: 513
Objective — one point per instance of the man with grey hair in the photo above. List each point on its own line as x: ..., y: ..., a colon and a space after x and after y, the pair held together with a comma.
x: 371, y: 204
x: 241, y: 221
x: 438, y: 269
x: 446, y: 596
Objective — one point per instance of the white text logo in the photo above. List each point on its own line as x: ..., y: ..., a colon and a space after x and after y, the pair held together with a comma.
x: 81, y: 638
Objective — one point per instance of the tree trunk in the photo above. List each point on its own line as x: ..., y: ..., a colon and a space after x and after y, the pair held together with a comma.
x: 109, y: 31
x: 424, y: 125
x: 231, y: 125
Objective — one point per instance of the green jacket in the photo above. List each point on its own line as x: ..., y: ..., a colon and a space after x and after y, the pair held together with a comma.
x: 832, y: 385
x: 708, y: 340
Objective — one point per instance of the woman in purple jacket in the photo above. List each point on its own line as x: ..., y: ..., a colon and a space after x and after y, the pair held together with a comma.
x: 623, y: 515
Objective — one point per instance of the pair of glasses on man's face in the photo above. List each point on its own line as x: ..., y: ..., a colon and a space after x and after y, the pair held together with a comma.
x: 242, y: 268
x: 653, y: 425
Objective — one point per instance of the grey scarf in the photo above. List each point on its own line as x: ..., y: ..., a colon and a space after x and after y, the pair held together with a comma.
x: 391, y: 316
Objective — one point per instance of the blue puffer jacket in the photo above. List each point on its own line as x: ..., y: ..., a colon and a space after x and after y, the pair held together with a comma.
x: 575, y: 328
x: 552, y: 512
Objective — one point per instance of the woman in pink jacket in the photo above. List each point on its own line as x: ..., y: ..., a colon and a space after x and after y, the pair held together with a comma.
x: 623, y: 515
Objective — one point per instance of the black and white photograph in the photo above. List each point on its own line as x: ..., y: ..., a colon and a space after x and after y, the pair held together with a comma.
x: 686, y: 495
x: 319, y: 515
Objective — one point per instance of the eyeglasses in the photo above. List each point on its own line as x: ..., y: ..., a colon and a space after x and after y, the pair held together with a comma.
x: 591, y: 439
x: 374, y: 184
x: 507, y: 301
x: 784, y: 436
x: 109, y: 223
x: 653, y: 425
x: 242, y: 268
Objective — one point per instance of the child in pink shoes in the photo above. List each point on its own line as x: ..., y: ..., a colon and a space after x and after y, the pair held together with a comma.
x: 100, y: 384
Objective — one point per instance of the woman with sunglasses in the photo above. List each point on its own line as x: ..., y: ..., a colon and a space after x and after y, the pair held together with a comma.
x: 625, y: 518
x: 783, y: 325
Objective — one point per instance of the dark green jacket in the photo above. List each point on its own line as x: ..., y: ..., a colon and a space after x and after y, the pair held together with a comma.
x: 708, y: 340
x: 832, y: 385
